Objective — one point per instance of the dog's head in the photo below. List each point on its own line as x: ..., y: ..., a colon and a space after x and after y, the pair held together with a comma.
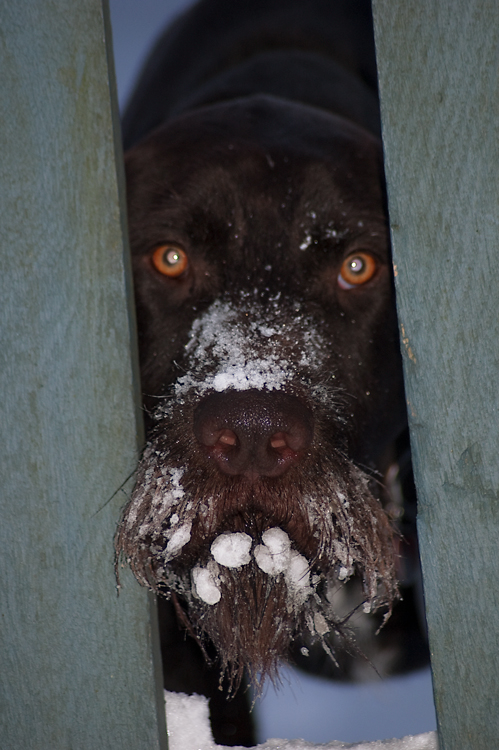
x: 271, y: 372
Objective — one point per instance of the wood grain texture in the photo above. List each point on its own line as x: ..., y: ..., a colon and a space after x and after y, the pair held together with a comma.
x: 76, y: 661
x: 439, y: 81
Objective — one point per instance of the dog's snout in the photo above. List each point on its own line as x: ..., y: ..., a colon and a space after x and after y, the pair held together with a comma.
x: 254, y: 433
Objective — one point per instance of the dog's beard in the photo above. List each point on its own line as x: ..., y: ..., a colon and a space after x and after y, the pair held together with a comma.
x: 334, y: 525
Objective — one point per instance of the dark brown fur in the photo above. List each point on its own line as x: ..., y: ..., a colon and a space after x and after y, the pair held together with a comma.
x: 273, y: 393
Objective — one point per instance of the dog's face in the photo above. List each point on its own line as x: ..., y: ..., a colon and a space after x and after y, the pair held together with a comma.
x: 271, y: 372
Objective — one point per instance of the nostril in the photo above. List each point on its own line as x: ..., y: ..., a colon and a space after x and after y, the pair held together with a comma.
x: 295, y: 441
x: 222, y: 446
x: 210, y: 434
x: 227, y: 437
x: 278, y: 441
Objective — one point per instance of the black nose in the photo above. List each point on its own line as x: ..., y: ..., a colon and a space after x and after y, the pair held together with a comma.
x: 254, y: 433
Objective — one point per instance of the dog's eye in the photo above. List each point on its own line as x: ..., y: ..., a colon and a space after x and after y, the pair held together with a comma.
x: 356, y: 270
x: 170, y: 260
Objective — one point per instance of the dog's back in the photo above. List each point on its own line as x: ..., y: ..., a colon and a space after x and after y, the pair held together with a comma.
x: 318, y: 52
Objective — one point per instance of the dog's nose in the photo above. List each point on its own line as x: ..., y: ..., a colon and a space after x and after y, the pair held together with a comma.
x: 254, y: 433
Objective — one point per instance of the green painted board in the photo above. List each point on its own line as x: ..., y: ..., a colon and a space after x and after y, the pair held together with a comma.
x: 76, y: 661
x: 439, y: 81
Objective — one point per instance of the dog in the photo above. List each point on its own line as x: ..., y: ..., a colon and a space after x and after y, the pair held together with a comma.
x: 274, y: 510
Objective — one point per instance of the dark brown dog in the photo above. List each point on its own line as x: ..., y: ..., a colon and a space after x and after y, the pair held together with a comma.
x: 268, y: 340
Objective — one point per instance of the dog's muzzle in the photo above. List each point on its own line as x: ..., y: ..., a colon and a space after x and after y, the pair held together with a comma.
x: 246, y: 508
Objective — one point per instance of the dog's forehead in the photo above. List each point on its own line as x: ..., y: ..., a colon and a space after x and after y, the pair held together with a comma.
x: 262, y: 148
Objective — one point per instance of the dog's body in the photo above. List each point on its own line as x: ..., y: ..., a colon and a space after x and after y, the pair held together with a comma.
x: 269, y: 350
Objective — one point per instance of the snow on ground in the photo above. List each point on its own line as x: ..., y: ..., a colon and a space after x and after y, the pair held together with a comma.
x: 319, y: 709
x: 188, y: 726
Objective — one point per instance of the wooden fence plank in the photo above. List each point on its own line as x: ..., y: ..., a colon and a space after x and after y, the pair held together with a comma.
x: 76, y: 661
x: 439, y: 81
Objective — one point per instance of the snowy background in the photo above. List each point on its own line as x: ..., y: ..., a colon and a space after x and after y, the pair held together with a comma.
x: 313, y: 709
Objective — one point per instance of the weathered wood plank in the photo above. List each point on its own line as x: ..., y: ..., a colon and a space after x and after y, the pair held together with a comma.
x: 76, y: 666
x: 439, y: 82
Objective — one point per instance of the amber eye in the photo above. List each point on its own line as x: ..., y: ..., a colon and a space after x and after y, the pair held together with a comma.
x: 356, y: 270
x: 170, y: 260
